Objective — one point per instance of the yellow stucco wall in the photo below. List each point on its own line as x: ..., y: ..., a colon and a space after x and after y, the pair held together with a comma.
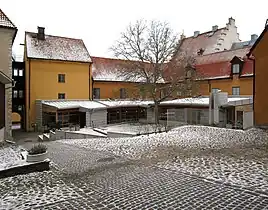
x: 42, y: 82
x: 261, y: 74
x: 225, y: 85
x: 112, y: 89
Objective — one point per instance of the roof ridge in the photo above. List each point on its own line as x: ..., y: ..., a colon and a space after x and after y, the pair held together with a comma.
x: 243, y: 48
x: 28, y: 32
x: 205, y: 33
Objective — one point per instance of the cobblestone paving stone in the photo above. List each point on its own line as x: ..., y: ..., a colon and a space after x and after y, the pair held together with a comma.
x: 250, y: 172
x: 128, y: 187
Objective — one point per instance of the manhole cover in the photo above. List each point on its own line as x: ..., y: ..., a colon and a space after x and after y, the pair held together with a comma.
x: 108, y: 159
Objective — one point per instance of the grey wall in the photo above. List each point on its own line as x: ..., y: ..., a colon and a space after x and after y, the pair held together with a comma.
x: 96, y: 118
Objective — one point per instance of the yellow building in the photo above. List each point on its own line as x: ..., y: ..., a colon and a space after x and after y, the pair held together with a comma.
x: 108, y: 81
x: 55, y: 68
x: 229, y: 71
x: 259, y: 55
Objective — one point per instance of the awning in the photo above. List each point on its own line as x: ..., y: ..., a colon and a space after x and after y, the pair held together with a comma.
x: 4, y: 79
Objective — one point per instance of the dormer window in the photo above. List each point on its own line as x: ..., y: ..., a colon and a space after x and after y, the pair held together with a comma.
x: 236, y: 68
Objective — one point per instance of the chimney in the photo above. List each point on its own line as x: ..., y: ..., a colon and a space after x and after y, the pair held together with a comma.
x: 41, y: 33
x: 254, y: 37
x: 196, y: 33
x: 231, y: 21
x: 214, y: 28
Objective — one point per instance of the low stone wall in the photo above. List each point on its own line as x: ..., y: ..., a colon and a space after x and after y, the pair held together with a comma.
x: 25, y: 169
x: 74, y: 135
x: 119, y: 135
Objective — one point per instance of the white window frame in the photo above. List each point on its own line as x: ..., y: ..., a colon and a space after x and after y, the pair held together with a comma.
x: 236, y: 91
x: 236, y: 68
x: 15, y: 72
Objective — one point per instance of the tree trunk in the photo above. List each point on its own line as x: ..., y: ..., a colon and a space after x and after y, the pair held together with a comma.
x: 156, y: 113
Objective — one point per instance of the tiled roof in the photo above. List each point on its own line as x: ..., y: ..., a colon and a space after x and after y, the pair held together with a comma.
x: 108, y: 69
x: 56, y: 48
x: 226, y: 55
x: 205, y: 41
x: 217, y: 65
x: 4, y: 21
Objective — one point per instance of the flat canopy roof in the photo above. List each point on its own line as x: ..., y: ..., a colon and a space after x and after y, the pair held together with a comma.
x: 204, y: 101
x: 98, y: 104
x: 104, y: 104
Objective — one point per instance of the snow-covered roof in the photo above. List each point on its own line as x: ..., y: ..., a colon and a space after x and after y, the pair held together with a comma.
x: 5, y: 21
x: 125, y: 103
x: 110, y: 69
x: 204, y: 101
x: 56, y: 48
x: 87, y: 104
x: 73, y: 104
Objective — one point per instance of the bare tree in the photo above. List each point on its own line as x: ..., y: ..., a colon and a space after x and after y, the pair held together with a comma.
x: 148, y: 50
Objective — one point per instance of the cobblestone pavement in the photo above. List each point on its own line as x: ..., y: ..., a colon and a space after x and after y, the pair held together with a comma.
x: 243, y: 167
x: 131, y: 185
x: 128, y: 187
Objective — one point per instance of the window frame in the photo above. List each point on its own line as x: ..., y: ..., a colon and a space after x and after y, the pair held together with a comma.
x: 236, y: 88
x: 94, y: 91
x: 61, y: 78
x: 236, y: 70
x: 15, y: 72
x: 17, y: 94
x: 20, y: 72
x: 61, y: 94
x: 123, y: 93
x: 214, y: 89
x: 20, y: 94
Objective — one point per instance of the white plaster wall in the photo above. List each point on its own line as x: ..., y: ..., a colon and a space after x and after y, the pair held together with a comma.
x: 247, y: 120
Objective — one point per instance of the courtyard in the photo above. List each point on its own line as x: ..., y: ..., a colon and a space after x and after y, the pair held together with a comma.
x: 189, y: 167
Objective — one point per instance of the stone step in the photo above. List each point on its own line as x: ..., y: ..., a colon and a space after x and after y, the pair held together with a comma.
x: 40, y: 138
x: 46, y: 136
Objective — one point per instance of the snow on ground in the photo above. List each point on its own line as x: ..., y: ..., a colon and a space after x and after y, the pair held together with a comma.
x: 34, y: 189
x: 245, y: 163
x: 185, y: 137
x: 135, y: 128
x: 9, y: 156
x: 235, y: 169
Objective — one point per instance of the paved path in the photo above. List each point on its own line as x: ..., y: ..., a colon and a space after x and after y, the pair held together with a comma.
x: 133, y: 185
x: 128, y: 187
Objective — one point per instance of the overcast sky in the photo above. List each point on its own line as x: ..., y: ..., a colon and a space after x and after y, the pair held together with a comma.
x: 100, y: 22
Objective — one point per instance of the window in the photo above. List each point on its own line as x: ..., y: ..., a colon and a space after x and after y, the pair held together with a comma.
x: 15, y: 72
x: 19, y: 108
x: 20, y: 72
x: 15, y: 94
x: 96, y: 93
x: 61, y: 78
x: 123, y: 93
x: 61, y: 95
x: 20, y: 93
x: 235, y: 68
x: 214, y: 90
x: 236, y: 91
x: 189, y: 74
